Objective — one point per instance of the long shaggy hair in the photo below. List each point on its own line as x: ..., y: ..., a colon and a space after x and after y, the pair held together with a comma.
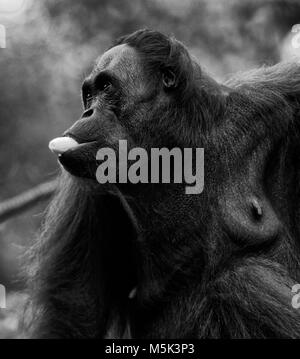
x: 213, y: 274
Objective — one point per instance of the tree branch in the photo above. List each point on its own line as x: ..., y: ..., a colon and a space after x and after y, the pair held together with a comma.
x: 18, y: 204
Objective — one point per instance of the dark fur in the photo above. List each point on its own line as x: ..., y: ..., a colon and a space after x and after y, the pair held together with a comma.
x: 202, y: 264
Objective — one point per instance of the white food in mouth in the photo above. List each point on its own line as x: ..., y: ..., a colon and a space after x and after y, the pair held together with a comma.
x: 60, y: 145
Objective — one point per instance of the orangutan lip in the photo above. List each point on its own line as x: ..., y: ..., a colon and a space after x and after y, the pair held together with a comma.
x: 80, y: 140
x: 71, y: 158
x: 80, y: 145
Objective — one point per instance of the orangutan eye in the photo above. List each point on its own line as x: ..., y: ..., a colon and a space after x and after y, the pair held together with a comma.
x: 104, y: 86
x: 103, y: 82
x: 87, y: 94
x: 88, y: 97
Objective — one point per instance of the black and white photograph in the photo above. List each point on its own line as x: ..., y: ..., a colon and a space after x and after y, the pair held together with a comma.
x: 150, y: 172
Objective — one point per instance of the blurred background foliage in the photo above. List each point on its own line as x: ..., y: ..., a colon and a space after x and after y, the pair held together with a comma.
x: 51, y: 45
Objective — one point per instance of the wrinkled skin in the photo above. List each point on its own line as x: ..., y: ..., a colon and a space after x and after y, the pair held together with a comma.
x: 104, y: 122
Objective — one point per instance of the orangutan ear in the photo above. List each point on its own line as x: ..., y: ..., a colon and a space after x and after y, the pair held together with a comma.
x: 169, y: 78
